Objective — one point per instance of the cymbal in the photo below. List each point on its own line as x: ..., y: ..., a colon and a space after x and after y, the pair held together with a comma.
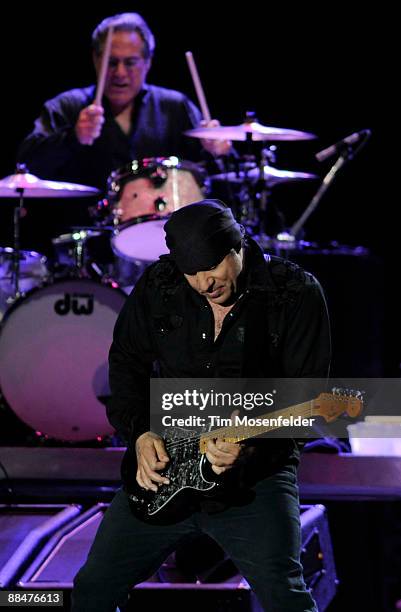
x: 271, y: 176
x: 240, y: 132
x: 33, y: 187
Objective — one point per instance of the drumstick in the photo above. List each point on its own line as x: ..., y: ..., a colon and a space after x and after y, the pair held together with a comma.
x: 198, y: 86
x: 105, y: 62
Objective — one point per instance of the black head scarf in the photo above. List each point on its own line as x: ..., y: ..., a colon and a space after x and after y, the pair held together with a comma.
x: 201, y: 234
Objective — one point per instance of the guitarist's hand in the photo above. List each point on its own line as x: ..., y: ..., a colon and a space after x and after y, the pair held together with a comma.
x: 151, y: 455
x: 222, y: 455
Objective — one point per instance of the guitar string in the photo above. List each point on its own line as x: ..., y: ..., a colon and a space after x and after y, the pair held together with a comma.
x: 304, y: 412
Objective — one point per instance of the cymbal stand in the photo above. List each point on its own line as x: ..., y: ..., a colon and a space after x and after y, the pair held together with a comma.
x: 15, y: 274
x: 79, y: 238
x: 262, y: 197
x: 247, y: 213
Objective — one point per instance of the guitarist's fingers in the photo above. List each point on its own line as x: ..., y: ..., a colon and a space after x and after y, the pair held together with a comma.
x: 146, y: 482
x: 147, y: 454
x: 139, y: 479
x: 150, y: 464
x: 152, y: 451
x: 151, y: 446
x: 219, y: 470
x: 150, y: 474
x: 218, y: 463
x: 161, y: 451
x: 145, y: 479
x: 147, y: 461
x: 224, y: 453
x: 228, y: 447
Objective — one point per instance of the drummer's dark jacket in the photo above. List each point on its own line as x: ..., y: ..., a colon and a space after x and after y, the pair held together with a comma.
x: 160, y: 117
x: 277, y: 328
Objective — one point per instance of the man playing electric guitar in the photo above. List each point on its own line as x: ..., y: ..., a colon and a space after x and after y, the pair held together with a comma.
x: 214, y: 307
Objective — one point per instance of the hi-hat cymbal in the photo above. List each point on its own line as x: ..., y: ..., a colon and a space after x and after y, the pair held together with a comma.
x: 252, y: 130
x: 33, y: 187
x: 271, y: 176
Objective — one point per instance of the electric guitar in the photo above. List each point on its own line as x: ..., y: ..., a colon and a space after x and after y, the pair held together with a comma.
x: 189, y: 470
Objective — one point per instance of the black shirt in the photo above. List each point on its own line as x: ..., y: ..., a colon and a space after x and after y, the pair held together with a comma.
x: 160, y: 117
x: 278, y: 328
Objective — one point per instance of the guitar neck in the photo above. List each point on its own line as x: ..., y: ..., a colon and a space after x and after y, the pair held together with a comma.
x: 239, y: 433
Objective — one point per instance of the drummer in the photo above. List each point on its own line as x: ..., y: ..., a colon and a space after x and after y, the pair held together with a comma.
x: 79, y: 141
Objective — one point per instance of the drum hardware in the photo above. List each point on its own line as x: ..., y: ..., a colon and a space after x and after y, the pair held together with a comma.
x: 160, y: 204
x: 101, y: 212
x: 271, y: 175
x: 84, y: 252
x: 12, y: 186
x: 250, y: 187
x: 283, y: 244
x: 23, y: 185
x: 261, y: 196
x: 250, y: 130
x: 70, y: 250
x: 346, y: 154
x: 159, y: 176
x: 33, y: 272
x: 128, y: 231
x: 257, y: 177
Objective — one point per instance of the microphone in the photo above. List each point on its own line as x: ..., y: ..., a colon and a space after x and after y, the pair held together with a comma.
x: 342, y: 144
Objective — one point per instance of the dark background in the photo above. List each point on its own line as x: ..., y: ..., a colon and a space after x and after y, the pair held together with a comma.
x: 324, y: 70
x: 329, y: 71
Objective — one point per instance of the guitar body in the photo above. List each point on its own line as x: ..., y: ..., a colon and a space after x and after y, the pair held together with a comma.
x: 189, y: 471
x: 191, y: 478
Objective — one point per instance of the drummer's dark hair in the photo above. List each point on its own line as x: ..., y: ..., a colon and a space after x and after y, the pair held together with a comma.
x: 124, y: 22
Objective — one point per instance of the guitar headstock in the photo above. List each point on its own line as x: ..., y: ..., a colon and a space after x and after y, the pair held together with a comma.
x: 332, y: 405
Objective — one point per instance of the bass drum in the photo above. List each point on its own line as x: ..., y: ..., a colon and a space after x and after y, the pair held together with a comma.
x: 54, y: 347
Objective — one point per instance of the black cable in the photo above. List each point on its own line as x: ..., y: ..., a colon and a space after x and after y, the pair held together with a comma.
x: 9, y: 486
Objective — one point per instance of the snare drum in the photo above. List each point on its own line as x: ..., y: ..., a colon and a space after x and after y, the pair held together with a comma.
x: 53, y: 349
x: 33, y: 273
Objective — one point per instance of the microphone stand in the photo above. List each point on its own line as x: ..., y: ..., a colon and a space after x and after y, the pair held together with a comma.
x: 345, y: 157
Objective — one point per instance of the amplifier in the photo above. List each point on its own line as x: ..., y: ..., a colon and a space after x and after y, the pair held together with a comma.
x: 60, y: 558
x: 24, y: 531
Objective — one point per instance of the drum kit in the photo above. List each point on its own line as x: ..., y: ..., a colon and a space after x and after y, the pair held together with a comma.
x: 58, y: 317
